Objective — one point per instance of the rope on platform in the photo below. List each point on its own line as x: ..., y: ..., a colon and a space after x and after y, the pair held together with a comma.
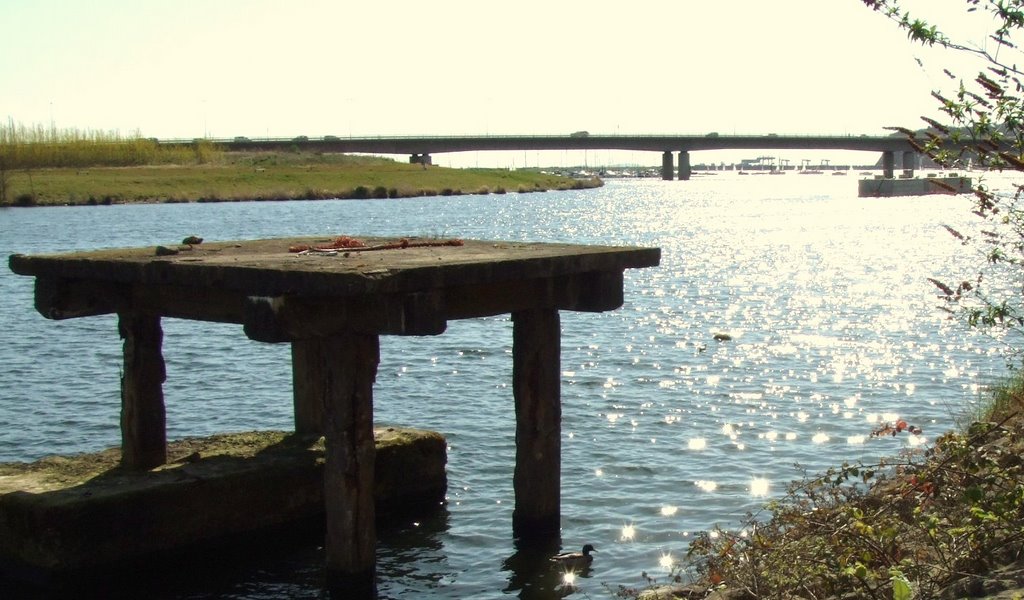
x: 349, y: 244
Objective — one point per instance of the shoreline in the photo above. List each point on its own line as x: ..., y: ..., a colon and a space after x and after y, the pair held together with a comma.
x: 276, y: 181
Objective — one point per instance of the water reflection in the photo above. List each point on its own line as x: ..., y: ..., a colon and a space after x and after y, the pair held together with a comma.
x: 759, y: 486
x: 532, y: 575
x: 666, y: 561
x: 706, y: 485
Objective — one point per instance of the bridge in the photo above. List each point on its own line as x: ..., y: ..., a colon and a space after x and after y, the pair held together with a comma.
x: 420, y: 148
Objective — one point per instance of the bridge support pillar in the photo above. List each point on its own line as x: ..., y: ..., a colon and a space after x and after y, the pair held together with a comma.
x: 684, y: 166
x: 909, y: 163
x: 668, y: 167
x: 420, y: 159
x: 888, y: 164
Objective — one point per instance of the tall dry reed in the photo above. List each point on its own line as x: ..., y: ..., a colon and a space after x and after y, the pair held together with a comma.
x: 39, y: 146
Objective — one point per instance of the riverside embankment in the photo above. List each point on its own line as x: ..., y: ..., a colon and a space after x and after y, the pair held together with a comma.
x: 265, y: 176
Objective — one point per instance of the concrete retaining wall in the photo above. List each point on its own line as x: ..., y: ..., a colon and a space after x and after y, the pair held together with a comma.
x: 64, y: 515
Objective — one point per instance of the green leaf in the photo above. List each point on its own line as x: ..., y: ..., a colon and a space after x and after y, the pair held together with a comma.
x: 900, y: 586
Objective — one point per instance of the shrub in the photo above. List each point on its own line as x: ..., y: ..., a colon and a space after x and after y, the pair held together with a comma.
x: 315, y: 194
x: 25, y: 200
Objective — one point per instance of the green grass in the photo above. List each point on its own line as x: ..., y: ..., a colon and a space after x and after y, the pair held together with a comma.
x: 1006, y: 399
x: 236, y: 182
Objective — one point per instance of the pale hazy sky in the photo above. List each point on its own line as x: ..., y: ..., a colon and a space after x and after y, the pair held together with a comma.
x: 224, y: 68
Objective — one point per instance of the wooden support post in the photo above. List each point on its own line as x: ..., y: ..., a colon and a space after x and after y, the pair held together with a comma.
x: 307, y: 381
x: 536, y: 358
x: 143, y: 417
x: 346, y: 366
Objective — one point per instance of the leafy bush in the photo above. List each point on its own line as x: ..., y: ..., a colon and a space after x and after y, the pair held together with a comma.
x: 930, y: 522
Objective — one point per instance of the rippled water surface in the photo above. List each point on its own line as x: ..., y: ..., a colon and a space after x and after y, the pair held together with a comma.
x: 666, y: 431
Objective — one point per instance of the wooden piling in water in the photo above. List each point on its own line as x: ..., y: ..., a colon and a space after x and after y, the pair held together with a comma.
x: 307, y: 381
x: 536, y: 378
x: 347, y: 365
x: 143, y: 415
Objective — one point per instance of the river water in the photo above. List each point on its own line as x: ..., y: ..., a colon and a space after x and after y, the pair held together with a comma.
x: 666, y: 431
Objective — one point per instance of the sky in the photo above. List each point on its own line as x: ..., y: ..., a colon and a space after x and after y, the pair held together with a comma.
x: 261, y: 68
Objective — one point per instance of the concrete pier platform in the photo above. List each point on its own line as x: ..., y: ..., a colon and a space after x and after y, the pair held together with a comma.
x: 63, y: 517
x: 331, y: 298
x: 885, y: 187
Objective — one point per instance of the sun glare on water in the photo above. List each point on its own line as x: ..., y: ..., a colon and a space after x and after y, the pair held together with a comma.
x: 707, y: 486
x: 666, y: 561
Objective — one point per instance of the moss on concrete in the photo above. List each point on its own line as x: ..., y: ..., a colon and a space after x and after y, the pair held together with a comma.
x: 66, y: 514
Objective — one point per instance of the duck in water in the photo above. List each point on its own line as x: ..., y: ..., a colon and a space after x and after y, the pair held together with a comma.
x: 575, y: 560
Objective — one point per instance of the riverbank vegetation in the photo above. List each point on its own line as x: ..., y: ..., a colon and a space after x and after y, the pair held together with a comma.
x: 40, y: 167
x: 37, y: 147
x: 946, y: 522
x: 232, y: 182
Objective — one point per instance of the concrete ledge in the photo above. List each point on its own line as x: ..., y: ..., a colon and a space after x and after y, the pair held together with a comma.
x: 63, y: 515
x: 886, y: 187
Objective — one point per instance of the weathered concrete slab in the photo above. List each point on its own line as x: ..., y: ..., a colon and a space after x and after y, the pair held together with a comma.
x: 66, y: 514
x: 271, y: 267
x: 408, y: 286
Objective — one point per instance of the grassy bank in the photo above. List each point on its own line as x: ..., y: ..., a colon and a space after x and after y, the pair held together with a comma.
x: 42, y: 166
x: 943, y: 523
x: 265, y: 177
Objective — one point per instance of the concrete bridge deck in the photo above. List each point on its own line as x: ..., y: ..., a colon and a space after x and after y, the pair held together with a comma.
x: 420, y: 148
x: 654, y: 143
